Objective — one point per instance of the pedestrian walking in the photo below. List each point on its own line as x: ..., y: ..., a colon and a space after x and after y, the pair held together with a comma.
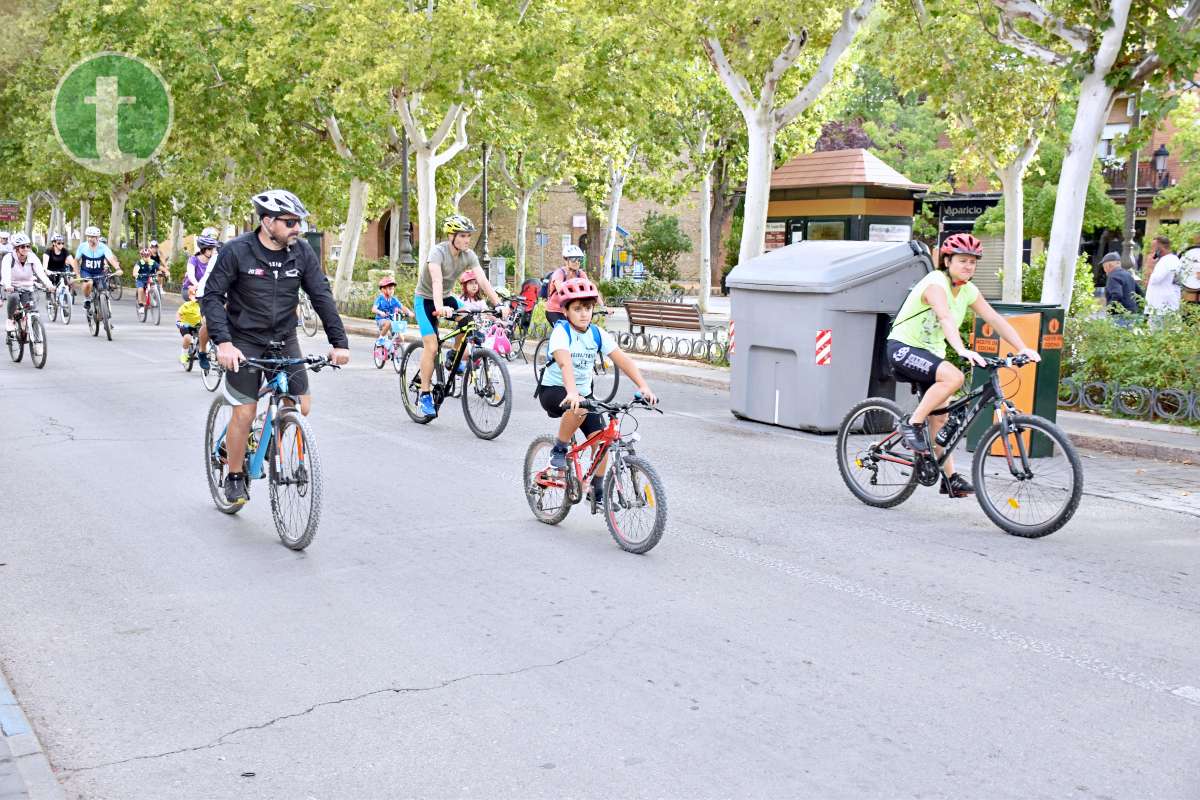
x: 1120, y: 289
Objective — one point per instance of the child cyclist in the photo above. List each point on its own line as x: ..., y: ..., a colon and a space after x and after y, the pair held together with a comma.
x: 187, y: 320
x: 387, y: 307
x: 575, y: 344
x: 472, y: 298
x: 145, y: 267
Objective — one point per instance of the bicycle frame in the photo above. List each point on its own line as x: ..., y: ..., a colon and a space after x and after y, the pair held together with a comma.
x: 277, y: 389
x: 464, y: 329
x: 606, y: 439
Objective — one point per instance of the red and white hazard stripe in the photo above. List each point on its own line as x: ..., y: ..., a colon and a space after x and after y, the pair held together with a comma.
x: 824, y: 348
x: 732, y: 347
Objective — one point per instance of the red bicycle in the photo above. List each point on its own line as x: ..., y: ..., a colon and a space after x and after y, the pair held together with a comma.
x: 635, y: 503
x: 151, y: 303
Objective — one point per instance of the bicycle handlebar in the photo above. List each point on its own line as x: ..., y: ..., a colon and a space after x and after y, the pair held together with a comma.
x: 618, y: 408
x: 315, y: 363
x: 1008, y: 361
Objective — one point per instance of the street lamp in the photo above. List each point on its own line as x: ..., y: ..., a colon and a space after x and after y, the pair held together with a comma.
x: 406, y: 248
x: 1160, y: 158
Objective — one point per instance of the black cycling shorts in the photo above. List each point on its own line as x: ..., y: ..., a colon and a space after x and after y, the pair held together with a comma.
x: 913, y: 364
x: 242, y: 387
x: 551, y: 398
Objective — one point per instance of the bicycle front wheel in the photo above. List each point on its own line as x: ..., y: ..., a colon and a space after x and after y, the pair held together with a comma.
x: 156, y: 305
x: 64, y: 304
x: 295, y: 478
x: 52, y: 305
x: 105, y: 314
x: 1023, y: 495
x: 871, y: 456
x: 16, y: 346
x: 37, y: 342
x: 605, y: 379
x: 219, y: 415
x: 545, y: 488
x: 540, y: 354
x: 115, y: 288
x: 212, y: 376
x: 635, y: 504
x: 309, y: 316
x: 410, y: 382
x: 92, y: 313
x: 487, y: 394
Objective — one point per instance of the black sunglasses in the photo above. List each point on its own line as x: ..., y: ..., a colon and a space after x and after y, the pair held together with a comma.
x: 291, y: 222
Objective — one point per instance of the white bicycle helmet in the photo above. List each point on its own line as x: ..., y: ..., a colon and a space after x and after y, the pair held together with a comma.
x: 572, y: 251
x: 92, y: 230
x: 18, y: 240
x: 274, y: 202
x: 4, y: 234
x: 58, y: 237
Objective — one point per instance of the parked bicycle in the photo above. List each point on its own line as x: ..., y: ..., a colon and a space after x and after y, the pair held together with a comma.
x: 100, y: 314
x: 280, y: 447
x: 29, y: 331
x: 308, y: 316
x: 484, y: 384
x: 1022, y: 493
x: 150, y: 307
x: 606, y: 378
x: 635, y: 502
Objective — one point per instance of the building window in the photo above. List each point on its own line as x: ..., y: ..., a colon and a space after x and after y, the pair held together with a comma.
x: 826, y: 230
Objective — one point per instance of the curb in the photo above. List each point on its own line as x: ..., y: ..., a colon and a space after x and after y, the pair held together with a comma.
x: 17, y: 737
x: 1134, y: 447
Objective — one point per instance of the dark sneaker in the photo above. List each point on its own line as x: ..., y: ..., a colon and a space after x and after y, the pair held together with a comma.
x: 425, y: 402
x: 203, y: 359
x: 558, y: 457
x: 236, y: 491
x: 956, y: 486
x: 915, y: 437
x: 597, y: 495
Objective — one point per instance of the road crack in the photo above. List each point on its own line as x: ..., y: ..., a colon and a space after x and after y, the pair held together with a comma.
x: 397, y: 690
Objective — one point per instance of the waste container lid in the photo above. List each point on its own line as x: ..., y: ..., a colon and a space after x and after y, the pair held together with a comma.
x: 823, y: 267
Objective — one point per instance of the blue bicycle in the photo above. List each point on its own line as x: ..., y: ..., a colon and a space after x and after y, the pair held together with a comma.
x: 280, y: 447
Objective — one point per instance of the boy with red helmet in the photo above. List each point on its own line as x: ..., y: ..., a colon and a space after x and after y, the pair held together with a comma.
x: 916, y: 346
x: 575, y: 344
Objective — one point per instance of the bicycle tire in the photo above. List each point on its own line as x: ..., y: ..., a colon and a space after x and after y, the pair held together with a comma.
x: 105, y: 315
x: 615, y: 501
x: 64, y: 309
x: 52, y: 305
x: 486, y: 363
x: 115, y: 288
x: 191, y: 360
x: 308, y: 317
x: 539, y: 359
x: 379, y: 356
x: 16, y: 346
x: 986, y: 501
x: 538, y: 453
x: 93, y: 316
x: 311, y: 491
x: 211, y: 377
x: 606, y: 379
x: 212, y: 467
x: 156, y: 305
x: 394, y: 356
x: 410, y: 382
x: 906, y: 483
x: 140, y: 311
x: 37, y: 342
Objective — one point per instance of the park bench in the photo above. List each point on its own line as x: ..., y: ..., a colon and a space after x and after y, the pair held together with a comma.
x: 677, y: 316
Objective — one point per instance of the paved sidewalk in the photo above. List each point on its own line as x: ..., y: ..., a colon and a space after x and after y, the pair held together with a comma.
x: 25, y: 773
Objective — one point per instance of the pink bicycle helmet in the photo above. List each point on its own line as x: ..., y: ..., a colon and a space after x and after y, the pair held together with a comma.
x: 577, y: 289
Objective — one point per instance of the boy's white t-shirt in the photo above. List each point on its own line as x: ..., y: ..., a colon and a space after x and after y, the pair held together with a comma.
x: 582, y: 346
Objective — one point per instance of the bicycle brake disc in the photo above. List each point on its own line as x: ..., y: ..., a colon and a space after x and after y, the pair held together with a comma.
x: 928, y: 473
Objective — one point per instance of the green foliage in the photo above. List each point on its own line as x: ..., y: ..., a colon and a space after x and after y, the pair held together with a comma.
x: 625, y: 288
x: 659, y: 244
x: 1083, y: 301
x: 905, y: 131
x: 506, y: 250
x: 1095, y: 349
x: 734, y: 241
x: 1185, y: 145
x: 1182, y: 235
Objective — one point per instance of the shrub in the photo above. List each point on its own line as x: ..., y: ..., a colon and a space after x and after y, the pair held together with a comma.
x: 1083, y: 300
x: 1096, y: 349
x: 506, y: 250
x: 659, y: 244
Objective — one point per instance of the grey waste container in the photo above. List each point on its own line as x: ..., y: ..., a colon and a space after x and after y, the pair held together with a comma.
x: 810, y: 323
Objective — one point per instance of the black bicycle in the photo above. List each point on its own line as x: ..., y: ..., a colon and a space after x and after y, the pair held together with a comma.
x: 29, y: 331
x: 1028, y: 478
x: 485, y: 385
x: 606, y: 377
x: 100, y: 314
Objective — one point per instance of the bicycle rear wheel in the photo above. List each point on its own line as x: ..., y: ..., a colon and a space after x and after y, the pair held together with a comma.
x: 65, y: 300
x: 219, y: 415
x: 16, y: 345
x: 37, y: 342
x: 379, y: 354
x: 410, y: 381
x: 52, y: 305
x: 115, y: 288
x: 545, y: 489
x: 540, y: 354
x: 296, y: 481
x: 605, y: 378
x: 309, y: 317
x: 211, y: 376
x: 635, y: 504
x: 105, y: 314
x: 487, y: 394
x: 1045, y: 494
x: 156, y: 305
x: 871, y: 456
x: 92, y: 312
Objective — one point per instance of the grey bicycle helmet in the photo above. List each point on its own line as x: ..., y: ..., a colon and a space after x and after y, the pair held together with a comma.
x: 274, y: 202
x: 205, y: 242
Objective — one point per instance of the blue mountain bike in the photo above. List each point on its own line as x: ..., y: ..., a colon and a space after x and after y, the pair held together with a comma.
x: 280, y: 447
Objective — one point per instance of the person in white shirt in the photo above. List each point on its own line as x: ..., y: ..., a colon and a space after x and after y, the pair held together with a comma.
x: 20, y: 270
x: 1162, y: 289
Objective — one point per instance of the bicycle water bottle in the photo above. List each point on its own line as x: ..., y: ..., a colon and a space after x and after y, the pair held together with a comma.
x: 947, y: 432
x: 255, y: 435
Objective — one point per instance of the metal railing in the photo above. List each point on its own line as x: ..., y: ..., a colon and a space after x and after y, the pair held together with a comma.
x: 1110, y: 397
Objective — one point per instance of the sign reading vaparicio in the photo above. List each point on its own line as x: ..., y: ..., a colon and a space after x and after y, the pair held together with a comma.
x: 112, y: 112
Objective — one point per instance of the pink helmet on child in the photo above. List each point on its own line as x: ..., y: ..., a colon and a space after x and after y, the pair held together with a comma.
x: 577, y: 289
x: 468, y: 276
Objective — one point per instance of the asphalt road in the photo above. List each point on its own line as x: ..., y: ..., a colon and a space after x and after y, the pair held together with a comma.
x: 436, y: 641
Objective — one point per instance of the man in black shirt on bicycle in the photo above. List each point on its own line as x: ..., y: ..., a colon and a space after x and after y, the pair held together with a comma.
x: 249, y: 298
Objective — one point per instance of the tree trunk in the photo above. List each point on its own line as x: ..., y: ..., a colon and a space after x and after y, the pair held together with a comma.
x: 426, y: 203
x: 117, y: 199
x: 616, y: 190
x: 760, y: 163
x: 29, y: 216
x: 85, y: 218
x: 227, y: 199
x: 595, y: 242
x: 350, y: 236
x: 723, y: 202
x: 176, y: 237
x: 394, y: 236
x: 705, y: 238
x: 523, y: 203
x: 1012, y: 180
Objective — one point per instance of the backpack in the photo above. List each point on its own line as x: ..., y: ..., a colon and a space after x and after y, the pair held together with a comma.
x: 550, y: 356
x: 544, y: 291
